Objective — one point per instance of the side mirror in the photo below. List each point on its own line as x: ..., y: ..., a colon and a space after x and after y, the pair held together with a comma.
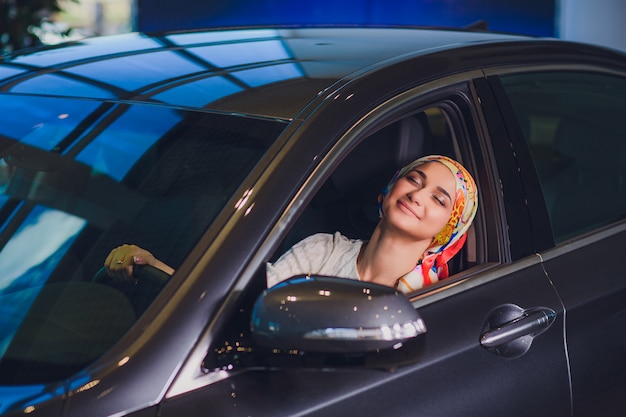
x: 333, y: 315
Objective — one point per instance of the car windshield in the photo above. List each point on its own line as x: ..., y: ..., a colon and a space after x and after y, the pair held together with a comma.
x: 79, y: 178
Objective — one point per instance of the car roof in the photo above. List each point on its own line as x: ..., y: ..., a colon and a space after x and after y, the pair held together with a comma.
x: 264, y: 72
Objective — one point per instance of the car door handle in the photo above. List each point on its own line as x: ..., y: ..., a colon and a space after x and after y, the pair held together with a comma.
x: 509, y: 330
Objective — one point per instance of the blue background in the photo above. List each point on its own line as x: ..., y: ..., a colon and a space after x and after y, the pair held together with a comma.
x: 530, y: 17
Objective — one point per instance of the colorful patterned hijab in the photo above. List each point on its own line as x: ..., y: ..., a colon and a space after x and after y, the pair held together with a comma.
x: 447, y: 243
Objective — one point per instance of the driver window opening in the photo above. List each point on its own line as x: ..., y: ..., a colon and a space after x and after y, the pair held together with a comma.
x: 348, y: 201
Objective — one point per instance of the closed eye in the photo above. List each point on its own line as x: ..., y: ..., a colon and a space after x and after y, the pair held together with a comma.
x: 440, y: 200
x: 415, y: 180
x: 445, y: 195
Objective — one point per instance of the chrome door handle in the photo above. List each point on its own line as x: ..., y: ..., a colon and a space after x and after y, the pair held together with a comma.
x: 510, y: 330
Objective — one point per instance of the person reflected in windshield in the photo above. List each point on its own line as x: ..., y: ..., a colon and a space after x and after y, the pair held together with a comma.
x: 425, y: 212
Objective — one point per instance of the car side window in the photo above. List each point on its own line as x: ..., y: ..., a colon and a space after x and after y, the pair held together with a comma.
x: 573, y: 123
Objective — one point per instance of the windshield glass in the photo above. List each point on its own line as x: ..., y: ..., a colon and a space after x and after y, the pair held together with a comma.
x: 78, y: 179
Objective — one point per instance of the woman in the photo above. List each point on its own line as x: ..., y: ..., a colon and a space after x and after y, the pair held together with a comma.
x: 425, y: 212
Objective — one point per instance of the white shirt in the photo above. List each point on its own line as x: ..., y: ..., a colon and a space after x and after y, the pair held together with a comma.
x: 319, y: 254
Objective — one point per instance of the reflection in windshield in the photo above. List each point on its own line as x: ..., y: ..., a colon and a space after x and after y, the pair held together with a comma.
x: 22, y: 260
x: 139, y: 70
x: 6, y: 71
x: 257, y: 77
x: 199, y: 93
x: 43, y: 122
x: 60, y: 217
x: 235, y: 54
x: 116, y: 150
x: 90, y: 48
x: 55, y: 84
x: 157, y: 67
x: 27, y: 261
x: 37, y: 394
x: 79, y: 177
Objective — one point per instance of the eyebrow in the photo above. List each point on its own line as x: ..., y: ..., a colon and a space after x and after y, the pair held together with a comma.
x: 441, y: 189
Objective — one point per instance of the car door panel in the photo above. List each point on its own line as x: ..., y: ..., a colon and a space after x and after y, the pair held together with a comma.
x: 577, y: 158
x: 454, y: 376
x: 591, y: 279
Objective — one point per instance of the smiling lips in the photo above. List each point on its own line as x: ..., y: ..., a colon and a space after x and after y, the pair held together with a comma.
x: 405, y: 206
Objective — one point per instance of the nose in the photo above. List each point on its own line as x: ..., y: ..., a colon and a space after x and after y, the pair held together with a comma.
x: 415, y: 196
x: 415, y: 201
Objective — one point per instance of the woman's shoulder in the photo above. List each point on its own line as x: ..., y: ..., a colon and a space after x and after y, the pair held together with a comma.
x: 327, y: 239
x: 324, y: 245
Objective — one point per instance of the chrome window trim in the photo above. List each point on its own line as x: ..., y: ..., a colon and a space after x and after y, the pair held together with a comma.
x: 584, y: 240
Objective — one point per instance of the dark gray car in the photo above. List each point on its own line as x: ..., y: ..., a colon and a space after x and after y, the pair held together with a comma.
x: 217, y: 150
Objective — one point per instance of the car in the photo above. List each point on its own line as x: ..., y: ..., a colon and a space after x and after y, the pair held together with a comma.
x: 218, y: 149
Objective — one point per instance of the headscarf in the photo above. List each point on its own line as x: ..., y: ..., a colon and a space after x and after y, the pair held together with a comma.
x: 447, y: 243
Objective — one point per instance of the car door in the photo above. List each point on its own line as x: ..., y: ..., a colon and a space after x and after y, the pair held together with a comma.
x: 494, y: 338
x: 572, y: 121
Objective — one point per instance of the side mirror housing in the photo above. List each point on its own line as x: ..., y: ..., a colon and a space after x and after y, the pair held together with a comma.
x: 333, y: 315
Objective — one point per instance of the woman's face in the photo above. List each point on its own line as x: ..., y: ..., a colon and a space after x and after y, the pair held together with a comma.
x: 420, y: 203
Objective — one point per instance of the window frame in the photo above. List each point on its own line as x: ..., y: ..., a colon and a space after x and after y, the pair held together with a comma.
x: 456, y: 107
x: 542, y: 227
x: 458, y: 92
x: 458, y: 104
